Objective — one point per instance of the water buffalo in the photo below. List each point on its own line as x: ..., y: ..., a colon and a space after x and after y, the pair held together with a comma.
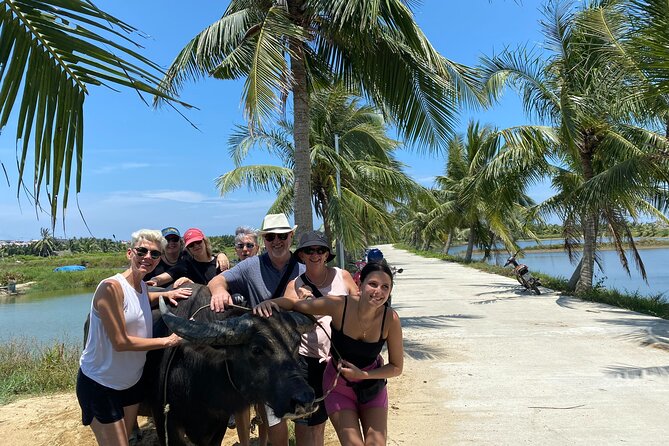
x: 228, y: 361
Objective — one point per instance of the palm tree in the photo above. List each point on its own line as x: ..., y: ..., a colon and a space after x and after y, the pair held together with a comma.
x: 468, y: 201
x: 287, y: 47
x: 605, y: 167
x: 45, y: 246
x: 52, y: 52
x: 372, y: 180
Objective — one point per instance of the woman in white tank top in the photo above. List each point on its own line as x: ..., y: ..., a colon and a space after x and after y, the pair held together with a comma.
x: 118, y: 339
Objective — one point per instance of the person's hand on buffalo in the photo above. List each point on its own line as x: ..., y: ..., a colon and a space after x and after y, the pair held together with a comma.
x: 220, y: 300
x: 172, y: 340
x: 177, y: 294
x: 265, y: 308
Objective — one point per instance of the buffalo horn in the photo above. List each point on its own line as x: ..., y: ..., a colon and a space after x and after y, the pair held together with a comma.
x: 226, y: 332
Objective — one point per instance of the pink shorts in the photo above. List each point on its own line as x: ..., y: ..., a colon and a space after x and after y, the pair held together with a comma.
x: 342, y: 396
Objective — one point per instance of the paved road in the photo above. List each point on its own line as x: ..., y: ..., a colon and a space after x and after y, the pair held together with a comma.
x: 488, y: 364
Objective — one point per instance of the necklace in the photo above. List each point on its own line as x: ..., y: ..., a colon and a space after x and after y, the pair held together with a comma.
x: 364, y: 327
x: 323, y: 282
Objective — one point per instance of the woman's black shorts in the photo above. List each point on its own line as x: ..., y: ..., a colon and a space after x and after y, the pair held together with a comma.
x: 313, y: 370
x: 102, y: 403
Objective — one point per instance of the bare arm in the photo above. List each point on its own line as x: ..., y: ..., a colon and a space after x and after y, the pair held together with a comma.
x: 160, y: 279
x: 350, y: 283
x: 280, y: 303
x: 219, y: 293
x: 172, y: 296
x: 108, y: 301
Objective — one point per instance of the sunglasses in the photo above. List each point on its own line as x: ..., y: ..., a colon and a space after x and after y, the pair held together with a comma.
x: 194, y: 244
x: 271, y: 236
x: 142, y: 252
x: 248, y: 245
x: 320, y: 250
x: 172, y: 239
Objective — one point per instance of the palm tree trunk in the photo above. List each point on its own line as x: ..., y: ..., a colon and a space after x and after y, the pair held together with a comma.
x: 587, y: 269
x: 449, y: 241
x: 470, y: 245
x: 302, y: 169
x: 589, y: 223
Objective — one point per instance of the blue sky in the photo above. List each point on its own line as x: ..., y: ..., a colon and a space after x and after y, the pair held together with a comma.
x: 150, y: 168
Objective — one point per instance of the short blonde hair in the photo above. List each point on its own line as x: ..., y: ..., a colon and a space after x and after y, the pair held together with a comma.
x: 150, y: 235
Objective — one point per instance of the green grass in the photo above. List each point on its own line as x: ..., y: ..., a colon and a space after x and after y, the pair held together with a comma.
x: 652, y: 305
x: 27, y: 371
x: 24, y: 269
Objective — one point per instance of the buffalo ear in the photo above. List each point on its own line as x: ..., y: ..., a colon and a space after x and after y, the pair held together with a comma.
x: 303, y: 323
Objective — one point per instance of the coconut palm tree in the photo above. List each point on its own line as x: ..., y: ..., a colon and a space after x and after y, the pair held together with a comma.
x: 605, y: 167
x: 372, y: 180
x: 466, y: 201
x: 45, y: 246
x: 288, y: 47
x: 52, y: 53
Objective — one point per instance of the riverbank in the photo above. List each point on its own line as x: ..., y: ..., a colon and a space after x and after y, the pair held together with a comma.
x: 485, y: 364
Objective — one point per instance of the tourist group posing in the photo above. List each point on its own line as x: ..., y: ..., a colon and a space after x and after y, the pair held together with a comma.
x: 340, y: 358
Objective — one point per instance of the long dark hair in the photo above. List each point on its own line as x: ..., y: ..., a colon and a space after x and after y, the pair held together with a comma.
x: 371, y: 267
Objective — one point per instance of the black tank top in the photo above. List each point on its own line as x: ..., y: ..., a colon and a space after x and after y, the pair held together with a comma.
x: 358, y: 352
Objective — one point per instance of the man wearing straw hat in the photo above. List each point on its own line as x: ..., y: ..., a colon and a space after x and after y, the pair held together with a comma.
x: 258, y: 279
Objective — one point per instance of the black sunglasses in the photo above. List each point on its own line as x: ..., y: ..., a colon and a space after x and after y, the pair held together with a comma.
x: 142, y: 252
x: 193, y: 244
x: 248, y: 245
x: 271, y: 236
x: 172, y: 238
x: 320, y: 250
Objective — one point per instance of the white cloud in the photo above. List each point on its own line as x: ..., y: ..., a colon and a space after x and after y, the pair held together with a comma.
x: 119, y: 167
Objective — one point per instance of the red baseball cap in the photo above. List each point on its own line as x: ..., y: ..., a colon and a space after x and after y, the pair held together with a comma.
x: 193, y: 235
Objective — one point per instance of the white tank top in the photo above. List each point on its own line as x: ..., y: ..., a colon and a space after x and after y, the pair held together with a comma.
x: 316, y: 343
x: 103, y: 364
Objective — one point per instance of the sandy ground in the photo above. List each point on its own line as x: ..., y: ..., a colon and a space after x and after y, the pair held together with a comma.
x: 485, y: 364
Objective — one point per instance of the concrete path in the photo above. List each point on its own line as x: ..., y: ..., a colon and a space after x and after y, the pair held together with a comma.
x: 489, y: 364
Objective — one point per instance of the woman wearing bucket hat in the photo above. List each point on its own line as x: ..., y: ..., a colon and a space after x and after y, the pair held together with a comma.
x: 318, y: 280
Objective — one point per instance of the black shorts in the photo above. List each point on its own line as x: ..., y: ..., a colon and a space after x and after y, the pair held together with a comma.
x: 102, y: 403
x: 313, y: 371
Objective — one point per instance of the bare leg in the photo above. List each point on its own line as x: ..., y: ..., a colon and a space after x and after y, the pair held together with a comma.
x: 243, y: 420
x: 110, y: 434
x: 347, y: 425
x: 375, y: 425
x: 263, y: 427
x: 278, y: 434
x: 309, y: 435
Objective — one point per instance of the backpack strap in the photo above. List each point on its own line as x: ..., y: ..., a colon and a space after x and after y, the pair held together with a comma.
x: 281, y: 288
x: 314, y: 288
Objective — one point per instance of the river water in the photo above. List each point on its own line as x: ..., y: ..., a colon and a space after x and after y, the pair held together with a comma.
x: 47, y: 318
x: 612, y: 275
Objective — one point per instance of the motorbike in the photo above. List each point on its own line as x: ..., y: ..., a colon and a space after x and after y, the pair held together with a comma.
x: 523, y: 275
x: 377, y: 256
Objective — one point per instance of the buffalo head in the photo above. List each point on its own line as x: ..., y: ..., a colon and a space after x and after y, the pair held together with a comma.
x: 257, y: 355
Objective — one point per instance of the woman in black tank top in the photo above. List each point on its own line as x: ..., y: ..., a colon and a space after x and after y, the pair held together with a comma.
x: 360, y: 326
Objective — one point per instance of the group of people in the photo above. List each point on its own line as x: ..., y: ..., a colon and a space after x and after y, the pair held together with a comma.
x: 340, y: 358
